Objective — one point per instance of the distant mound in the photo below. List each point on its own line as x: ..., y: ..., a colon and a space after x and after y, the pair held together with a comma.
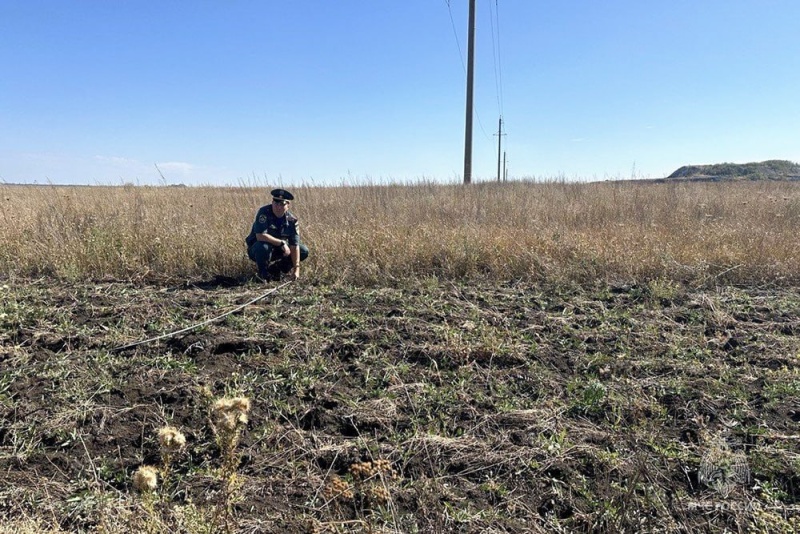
x: 767, y: 170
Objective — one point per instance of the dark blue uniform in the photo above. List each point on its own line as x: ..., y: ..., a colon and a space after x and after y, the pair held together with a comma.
x: 269, y: 258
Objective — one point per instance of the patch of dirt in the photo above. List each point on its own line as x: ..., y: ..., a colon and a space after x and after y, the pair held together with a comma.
x: 505, y: 408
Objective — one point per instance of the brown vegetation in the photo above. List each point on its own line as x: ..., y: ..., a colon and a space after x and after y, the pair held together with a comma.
x: 501, y: 358
x: 737, y: 232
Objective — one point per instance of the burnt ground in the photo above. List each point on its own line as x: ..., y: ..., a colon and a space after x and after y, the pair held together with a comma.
x: 497, y: 407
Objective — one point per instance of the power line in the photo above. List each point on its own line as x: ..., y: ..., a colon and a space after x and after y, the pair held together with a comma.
x: 494, y: 19
x: 499, y: 59
x: 463, y: 65
x: 500, y: 83
x: 455, y: 34
x: 495, y: 61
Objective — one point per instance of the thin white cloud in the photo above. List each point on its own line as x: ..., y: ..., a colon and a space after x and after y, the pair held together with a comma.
x: 117, y: 160
x: 180, y: 167
x: 65, y: 168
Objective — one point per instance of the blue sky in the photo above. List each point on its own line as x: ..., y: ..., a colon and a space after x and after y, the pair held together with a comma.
x: 349, y: 91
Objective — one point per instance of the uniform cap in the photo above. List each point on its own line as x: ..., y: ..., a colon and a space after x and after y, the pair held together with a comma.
x: 281, y: 194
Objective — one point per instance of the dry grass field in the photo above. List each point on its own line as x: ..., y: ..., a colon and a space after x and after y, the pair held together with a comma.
x: 690, y: 232
x: 507, y: 358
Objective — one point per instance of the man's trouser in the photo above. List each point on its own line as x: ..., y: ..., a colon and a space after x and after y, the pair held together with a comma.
x: 270, y: 259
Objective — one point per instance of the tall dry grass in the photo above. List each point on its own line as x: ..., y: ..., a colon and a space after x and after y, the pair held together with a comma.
x: 743, y: 232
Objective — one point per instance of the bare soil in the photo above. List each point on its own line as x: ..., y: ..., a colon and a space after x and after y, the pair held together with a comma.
x: 499, y: 407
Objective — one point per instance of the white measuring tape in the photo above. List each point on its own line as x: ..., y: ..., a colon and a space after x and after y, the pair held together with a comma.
x: 209, y: 321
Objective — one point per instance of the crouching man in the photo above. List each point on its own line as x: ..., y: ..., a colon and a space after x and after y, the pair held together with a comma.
x: 274, y: 241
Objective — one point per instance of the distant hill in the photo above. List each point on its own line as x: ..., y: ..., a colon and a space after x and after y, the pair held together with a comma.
x: 766, y: 170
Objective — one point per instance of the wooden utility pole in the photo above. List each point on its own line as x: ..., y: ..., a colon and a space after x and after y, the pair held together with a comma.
x: 470, y: 76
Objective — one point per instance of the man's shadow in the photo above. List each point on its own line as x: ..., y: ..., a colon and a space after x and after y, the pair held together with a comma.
x: 218, y: 281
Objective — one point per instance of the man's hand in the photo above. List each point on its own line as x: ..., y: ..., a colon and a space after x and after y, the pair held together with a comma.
x: 295, y: 274
x: 285, y: 248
